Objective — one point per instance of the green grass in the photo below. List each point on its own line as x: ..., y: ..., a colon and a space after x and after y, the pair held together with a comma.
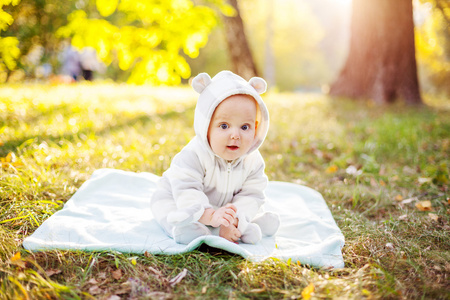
x: 366, y: 160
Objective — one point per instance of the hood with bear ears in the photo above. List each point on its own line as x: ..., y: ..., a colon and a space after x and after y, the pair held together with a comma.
x: 214, y: 91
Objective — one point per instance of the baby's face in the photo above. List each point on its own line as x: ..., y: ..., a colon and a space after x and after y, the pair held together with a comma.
x: 232, y: 129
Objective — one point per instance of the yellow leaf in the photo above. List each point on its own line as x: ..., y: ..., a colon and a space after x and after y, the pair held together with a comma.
x: 307, y: 291
x: 433, y: 217
x: 398, y: 198
x: 11, y: 157
x: 424, y: 205
x: 331, y: 169
x: 106, y: 7
x: 16, y: 260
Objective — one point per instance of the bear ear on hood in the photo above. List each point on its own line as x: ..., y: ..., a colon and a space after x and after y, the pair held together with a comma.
x: 258, y: 84
x: 200, y: 82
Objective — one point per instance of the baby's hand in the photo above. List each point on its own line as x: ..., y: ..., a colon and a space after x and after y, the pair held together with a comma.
x: 224, y: 216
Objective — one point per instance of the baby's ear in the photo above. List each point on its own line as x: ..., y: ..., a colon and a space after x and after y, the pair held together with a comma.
x: 200, y: 82
x: 258, y: 84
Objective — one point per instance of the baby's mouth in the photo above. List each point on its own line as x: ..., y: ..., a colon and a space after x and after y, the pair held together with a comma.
x: 233, y: 147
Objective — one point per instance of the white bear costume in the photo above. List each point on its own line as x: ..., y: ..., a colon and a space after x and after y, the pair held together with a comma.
x: 199, y: 179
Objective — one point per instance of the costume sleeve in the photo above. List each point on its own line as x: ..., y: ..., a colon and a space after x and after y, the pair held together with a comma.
x: 251, y: 197
x: 186, y: 176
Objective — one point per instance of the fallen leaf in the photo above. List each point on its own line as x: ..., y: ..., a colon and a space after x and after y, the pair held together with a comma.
x: 11, y: 157
x: 352, y: 170
x: 125, y: 288
x: 382, y: 183
x: 92, y: 281
x: 403, y: 217
x: 423, y: 180
x: 51, y: 272
x: 433, y: 217
x: 398, y: 198
x: 117, y: 274
x: 17, y: 260
x: 95, y: 290
x: 331, y: 169
x: 307, y: 291
x: 409, y: 200
x: 424, y: 205
x: 113, y: 297
x: 257, y: 291
x: 174, y: 281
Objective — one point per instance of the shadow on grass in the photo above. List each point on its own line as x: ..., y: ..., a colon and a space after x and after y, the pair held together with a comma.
x: 121, y: 123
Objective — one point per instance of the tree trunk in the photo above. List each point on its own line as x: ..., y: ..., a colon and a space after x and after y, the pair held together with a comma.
x: 238, y: 48
x: 381, y: 64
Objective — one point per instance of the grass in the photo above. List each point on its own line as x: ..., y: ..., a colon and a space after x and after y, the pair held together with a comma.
x: 373, y: 165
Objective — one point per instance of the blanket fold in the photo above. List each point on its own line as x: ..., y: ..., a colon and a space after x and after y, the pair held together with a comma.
x: 111, y: 211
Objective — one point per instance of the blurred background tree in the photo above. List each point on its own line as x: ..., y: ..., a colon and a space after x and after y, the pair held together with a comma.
x: 381, y: 63
x: 238, y: 48
x: 9, y: 50
x: 300, y: 45
x: 432, y: 20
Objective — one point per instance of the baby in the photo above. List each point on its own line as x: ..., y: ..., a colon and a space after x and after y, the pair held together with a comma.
x: 217, y: 181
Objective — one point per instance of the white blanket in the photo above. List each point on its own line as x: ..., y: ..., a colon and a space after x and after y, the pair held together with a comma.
x: 111, y: 211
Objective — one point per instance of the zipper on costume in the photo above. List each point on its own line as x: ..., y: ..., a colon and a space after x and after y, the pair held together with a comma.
x: 228, y: 178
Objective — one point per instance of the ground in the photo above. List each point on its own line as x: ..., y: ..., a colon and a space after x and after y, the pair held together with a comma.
x: 383, y: 170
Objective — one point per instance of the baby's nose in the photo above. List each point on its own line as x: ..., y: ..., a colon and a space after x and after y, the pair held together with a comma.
x: 235, y: 134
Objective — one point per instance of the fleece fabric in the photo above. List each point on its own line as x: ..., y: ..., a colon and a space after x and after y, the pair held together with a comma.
x: 111, y: 212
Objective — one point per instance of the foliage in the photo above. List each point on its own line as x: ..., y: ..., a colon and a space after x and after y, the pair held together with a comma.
x: 147, y: 36
x: 138, y: 36
x: 9, y: 51
x: 433, y: 45
x: 374, y: 166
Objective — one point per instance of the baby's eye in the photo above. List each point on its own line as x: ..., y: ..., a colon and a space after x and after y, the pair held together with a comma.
x: 223, y: 126
x: 245, y: 127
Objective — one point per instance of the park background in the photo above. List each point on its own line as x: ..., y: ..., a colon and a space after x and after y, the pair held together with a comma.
x: 359, y: 102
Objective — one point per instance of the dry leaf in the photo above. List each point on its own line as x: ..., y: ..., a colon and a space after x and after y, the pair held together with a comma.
x: 331, y: 169
x: 398, y: 198
x: 424, y: 205
x: 117, y: 274
x: 125, y: 288
x: 257, y: 291
x: 423, y: 180
x: 307, y: 291
x: 92, y: 281
x: 51, y: 272
x: 95, y: 290
x: 174, y: 281
x: 17, y: 260
x: 403, y: 217
x: 433, y: 217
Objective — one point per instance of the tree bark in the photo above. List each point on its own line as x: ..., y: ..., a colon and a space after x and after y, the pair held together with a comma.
x: 381, y: 64
x: 238, y: 48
